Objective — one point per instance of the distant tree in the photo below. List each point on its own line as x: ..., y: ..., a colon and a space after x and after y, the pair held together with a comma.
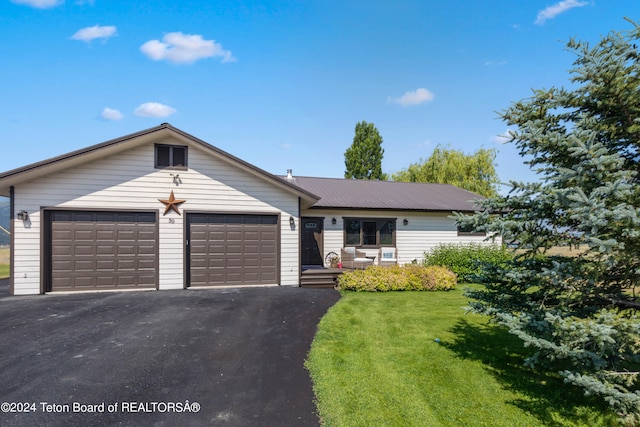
x: 473, y: 172
x: 363, y: 159
x: 579, y: 315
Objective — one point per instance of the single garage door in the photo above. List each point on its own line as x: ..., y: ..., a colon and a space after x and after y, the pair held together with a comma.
x: 226, y: 249
x: 103, y: 250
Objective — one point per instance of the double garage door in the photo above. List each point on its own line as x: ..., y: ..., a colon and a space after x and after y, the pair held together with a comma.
x: 119, y: 250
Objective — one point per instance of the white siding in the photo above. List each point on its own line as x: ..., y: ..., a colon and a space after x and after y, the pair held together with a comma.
x: 423, y: 232
x: 129, y: 181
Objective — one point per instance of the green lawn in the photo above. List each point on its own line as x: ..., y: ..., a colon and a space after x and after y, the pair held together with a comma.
x: 4, y: 263
x: 375, y: 362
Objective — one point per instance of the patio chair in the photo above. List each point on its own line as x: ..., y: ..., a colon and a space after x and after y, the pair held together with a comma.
x: 387, y: 256
x: 353, y: 258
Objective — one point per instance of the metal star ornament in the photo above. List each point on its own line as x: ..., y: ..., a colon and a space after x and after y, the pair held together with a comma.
x: 171, y: 204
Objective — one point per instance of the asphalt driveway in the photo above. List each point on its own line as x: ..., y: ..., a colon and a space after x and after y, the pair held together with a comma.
x: 165, y: 358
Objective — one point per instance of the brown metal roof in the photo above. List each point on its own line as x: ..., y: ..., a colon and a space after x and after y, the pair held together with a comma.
x: 339, y: 193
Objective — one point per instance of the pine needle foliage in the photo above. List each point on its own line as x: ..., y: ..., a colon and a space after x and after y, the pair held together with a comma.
x: 579, y: 315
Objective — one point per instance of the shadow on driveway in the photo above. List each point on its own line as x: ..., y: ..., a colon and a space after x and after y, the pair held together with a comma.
x: 136, y: 358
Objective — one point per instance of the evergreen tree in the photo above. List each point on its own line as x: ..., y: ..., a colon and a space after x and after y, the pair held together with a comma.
x: 580, y: 314
x: 363, y: 159
x: 474, y: 172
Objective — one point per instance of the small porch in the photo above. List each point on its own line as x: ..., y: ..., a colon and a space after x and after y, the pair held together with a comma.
x: 319, y: 277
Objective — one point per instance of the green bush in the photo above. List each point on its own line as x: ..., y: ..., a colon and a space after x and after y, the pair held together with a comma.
x: 410, y: 277
x: 466, y: 260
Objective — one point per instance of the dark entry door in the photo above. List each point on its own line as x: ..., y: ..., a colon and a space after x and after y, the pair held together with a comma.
x: 312, y: 245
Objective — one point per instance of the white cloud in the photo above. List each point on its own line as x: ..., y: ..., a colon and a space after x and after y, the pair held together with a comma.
x: 111, y: 114
x: 154, y: 109
x: 554, y: 10
x: 184, y: 49
x: 495, y: 63
x: 418, y: 96
x: 96, y: 32
x: 503, y: 138
x: 40, y: 4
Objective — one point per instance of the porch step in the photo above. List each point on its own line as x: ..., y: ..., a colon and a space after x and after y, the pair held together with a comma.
x: 320, y: 278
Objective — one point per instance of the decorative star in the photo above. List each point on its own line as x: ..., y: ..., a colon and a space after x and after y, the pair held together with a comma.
x: 171, y: 204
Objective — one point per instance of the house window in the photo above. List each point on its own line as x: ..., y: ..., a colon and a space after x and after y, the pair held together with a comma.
x: 469, y: 231
x: 369, y: 232
x: 171, y: 156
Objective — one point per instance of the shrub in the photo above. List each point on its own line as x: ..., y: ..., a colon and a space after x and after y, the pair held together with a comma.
x: 467, y: 260
x: 410, y: 277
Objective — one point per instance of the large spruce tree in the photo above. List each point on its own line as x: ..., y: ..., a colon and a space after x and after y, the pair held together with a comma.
x: 578, y: 314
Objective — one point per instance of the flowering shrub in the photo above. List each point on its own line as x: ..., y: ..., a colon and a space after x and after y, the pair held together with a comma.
x: 411, y: 277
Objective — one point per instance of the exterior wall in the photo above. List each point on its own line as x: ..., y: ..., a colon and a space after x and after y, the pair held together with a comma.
x: 129, y: 181
x: 424, y: 231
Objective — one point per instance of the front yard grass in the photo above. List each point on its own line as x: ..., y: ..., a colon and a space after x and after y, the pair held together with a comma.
x: 375, y: 361
x: 4, y: 263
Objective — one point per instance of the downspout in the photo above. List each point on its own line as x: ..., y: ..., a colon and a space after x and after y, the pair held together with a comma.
x: 12, y: 206
x: 299, y: 242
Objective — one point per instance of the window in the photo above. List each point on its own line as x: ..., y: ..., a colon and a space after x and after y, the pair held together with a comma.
x: 469, y: 231
x: 369, y: 232
x: 171, y: 156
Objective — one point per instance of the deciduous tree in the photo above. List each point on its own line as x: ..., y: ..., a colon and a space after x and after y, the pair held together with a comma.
x: 474, y: 172
x: 580, y: 314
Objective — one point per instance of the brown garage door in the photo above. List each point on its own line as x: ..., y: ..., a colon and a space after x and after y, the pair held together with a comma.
x: 232, y: 249
x: 103, y: 250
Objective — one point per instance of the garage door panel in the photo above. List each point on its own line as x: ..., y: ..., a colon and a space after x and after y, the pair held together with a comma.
x: 121, y: 264
x: 199, y: 263
x: 108, y: 249
x: 61, y: 266
x: 232, y: 249
x: 127, y: 235
x: 218, y: 262
x: 147, y: 235
x: 84, y: 282
x: 234, y: 235
x: 62, y: 233
x: 61, y: 250
x: 267, y: 235
x: 146, y: 249
x: 103, y: 250
x: 125, y: 249
x: 105, y: 235
x: 252, y: 263
x: 267, y: 262
x: 234, y: 263
x: 84, y: 235
x: 251, y: 249
x: 108, y: 265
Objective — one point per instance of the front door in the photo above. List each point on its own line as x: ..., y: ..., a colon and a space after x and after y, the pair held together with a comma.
x: 312, y: 246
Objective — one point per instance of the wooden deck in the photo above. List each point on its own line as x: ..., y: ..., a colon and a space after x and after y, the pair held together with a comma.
x: 320, y: 277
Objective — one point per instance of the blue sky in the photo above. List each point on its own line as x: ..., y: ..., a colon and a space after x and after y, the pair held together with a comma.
x: 281, y: 84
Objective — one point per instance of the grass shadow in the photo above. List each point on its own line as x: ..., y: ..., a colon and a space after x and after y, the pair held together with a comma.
x: 546, y: 396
